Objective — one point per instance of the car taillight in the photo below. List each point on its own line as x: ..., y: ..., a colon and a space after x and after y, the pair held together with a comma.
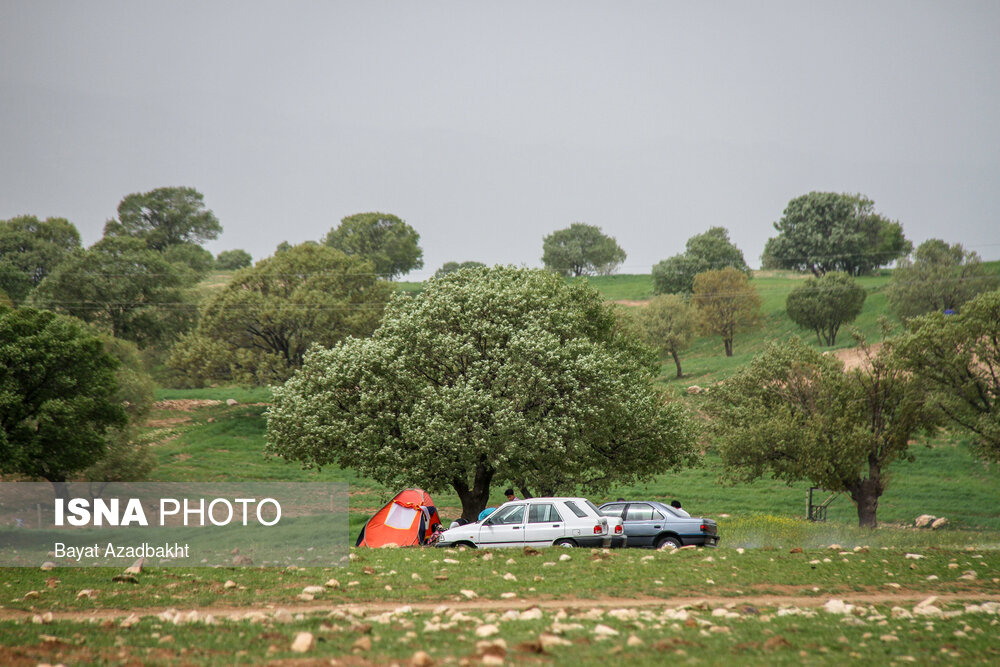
x: 597, y: 529
x: 618, y: 530
x: 704, y: 528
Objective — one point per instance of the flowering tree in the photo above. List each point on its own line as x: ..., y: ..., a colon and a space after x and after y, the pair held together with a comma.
x: 489, y: 375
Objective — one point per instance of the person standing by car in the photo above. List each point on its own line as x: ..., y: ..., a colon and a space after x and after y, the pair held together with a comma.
x: 510, y: 495
x: 676, y: 504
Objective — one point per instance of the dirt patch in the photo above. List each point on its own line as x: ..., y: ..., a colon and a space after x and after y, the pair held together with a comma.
x: 853, y: 357
x: 627, y: 302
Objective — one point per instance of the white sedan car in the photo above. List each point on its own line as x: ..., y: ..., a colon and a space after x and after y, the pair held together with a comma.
x: 539, y: 522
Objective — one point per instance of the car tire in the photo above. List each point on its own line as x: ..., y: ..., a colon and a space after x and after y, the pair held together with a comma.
x: 564, y: 543
x: 469, y: 545
x: 670, y: 541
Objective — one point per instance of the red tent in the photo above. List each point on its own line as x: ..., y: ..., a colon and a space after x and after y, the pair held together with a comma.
x: 405, y: 521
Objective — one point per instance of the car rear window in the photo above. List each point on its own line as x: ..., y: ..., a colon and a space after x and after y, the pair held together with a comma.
x: 613, y: 510
x: 593, y: 508
x: 575, y: 509
x: 543, y: 513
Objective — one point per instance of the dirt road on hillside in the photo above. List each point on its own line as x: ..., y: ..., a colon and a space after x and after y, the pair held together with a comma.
x: 894, y: 598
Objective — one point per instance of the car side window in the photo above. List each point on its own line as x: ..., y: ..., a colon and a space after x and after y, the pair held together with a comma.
x: 508, y: 516
x: 613, y: 510
x: 576, y: 509
x: 639, y: 512
x: 543, y: 513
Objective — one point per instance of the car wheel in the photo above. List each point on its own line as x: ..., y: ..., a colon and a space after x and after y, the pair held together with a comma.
x: 564, y: 543
x: 470, y: 545
x: 671, y: 542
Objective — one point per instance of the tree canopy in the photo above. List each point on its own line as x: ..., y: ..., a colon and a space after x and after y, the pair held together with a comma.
x: 940, y: 277
x: 958, y: 357
x: 57, y: 395
x: 230, y: 260
x: 726, y: 304
x: 668, y: 323
x: 497, y: 375
x: 451, y: 267
x: 122, y: 286
x: 127, y: 458
x: 258, y: 328
x: 797, y: 414
x: 164, y: 217
x: 710, y: 251
x: 581, y: 250
x: 826, y: 231
x: 29, y: 251
x: 824, y: 304
x: 390, y: 244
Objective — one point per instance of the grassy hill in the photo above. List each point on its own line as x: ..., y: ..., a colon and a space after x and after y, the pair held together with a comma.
x: 223, y: 443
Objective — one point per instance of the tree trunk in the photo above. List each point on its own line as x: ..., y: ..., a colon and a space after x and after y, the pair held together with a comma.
x: 865, y: 496
x: 677, y: 362
x: 60, y: 488
x: 728, y: 342
x: 474, y: 500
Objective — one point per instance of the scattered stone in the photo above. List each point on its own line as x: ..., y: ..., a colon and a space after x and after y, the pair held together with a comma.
x: 421, y: 659
x: 796, y: 550
x: 451, y: 561
x: 531, y: 551
x: 913, y: 556
x: 533, y: 614
x: 86, y: 593
x: 487, y: 630
x: 565, y: 557
x: 229, y: 584
x: 509, y: 577
x: 471, y: 595
x: 136, y: 567
x: 303, y: 642
x: 547, y: 641
x: 602, y: 630
x: 283, y: 616
x: 31, y: 595
x: 48, y: 565
x: 314, y: 590
x: 939, y: 523
x: 125, y: 579
x: 242, y: 560
x: 633, y: 640
x: 924, y: 520
x: 362, y: 643
x: 332, y: 583
x: 508, y: 596
x: 166, y: 639
x: 694, y: 389
x: 231, y: 402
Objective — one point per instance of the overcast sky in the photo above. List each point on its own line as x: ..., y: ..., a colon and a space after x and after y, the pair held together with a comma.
x: 487, y: 126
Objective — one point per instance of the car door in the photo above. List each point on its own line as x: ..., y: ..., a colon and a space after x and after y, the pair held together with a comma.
x: 544, y: 525
x: 642, y: 524
x: 505, y: 527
